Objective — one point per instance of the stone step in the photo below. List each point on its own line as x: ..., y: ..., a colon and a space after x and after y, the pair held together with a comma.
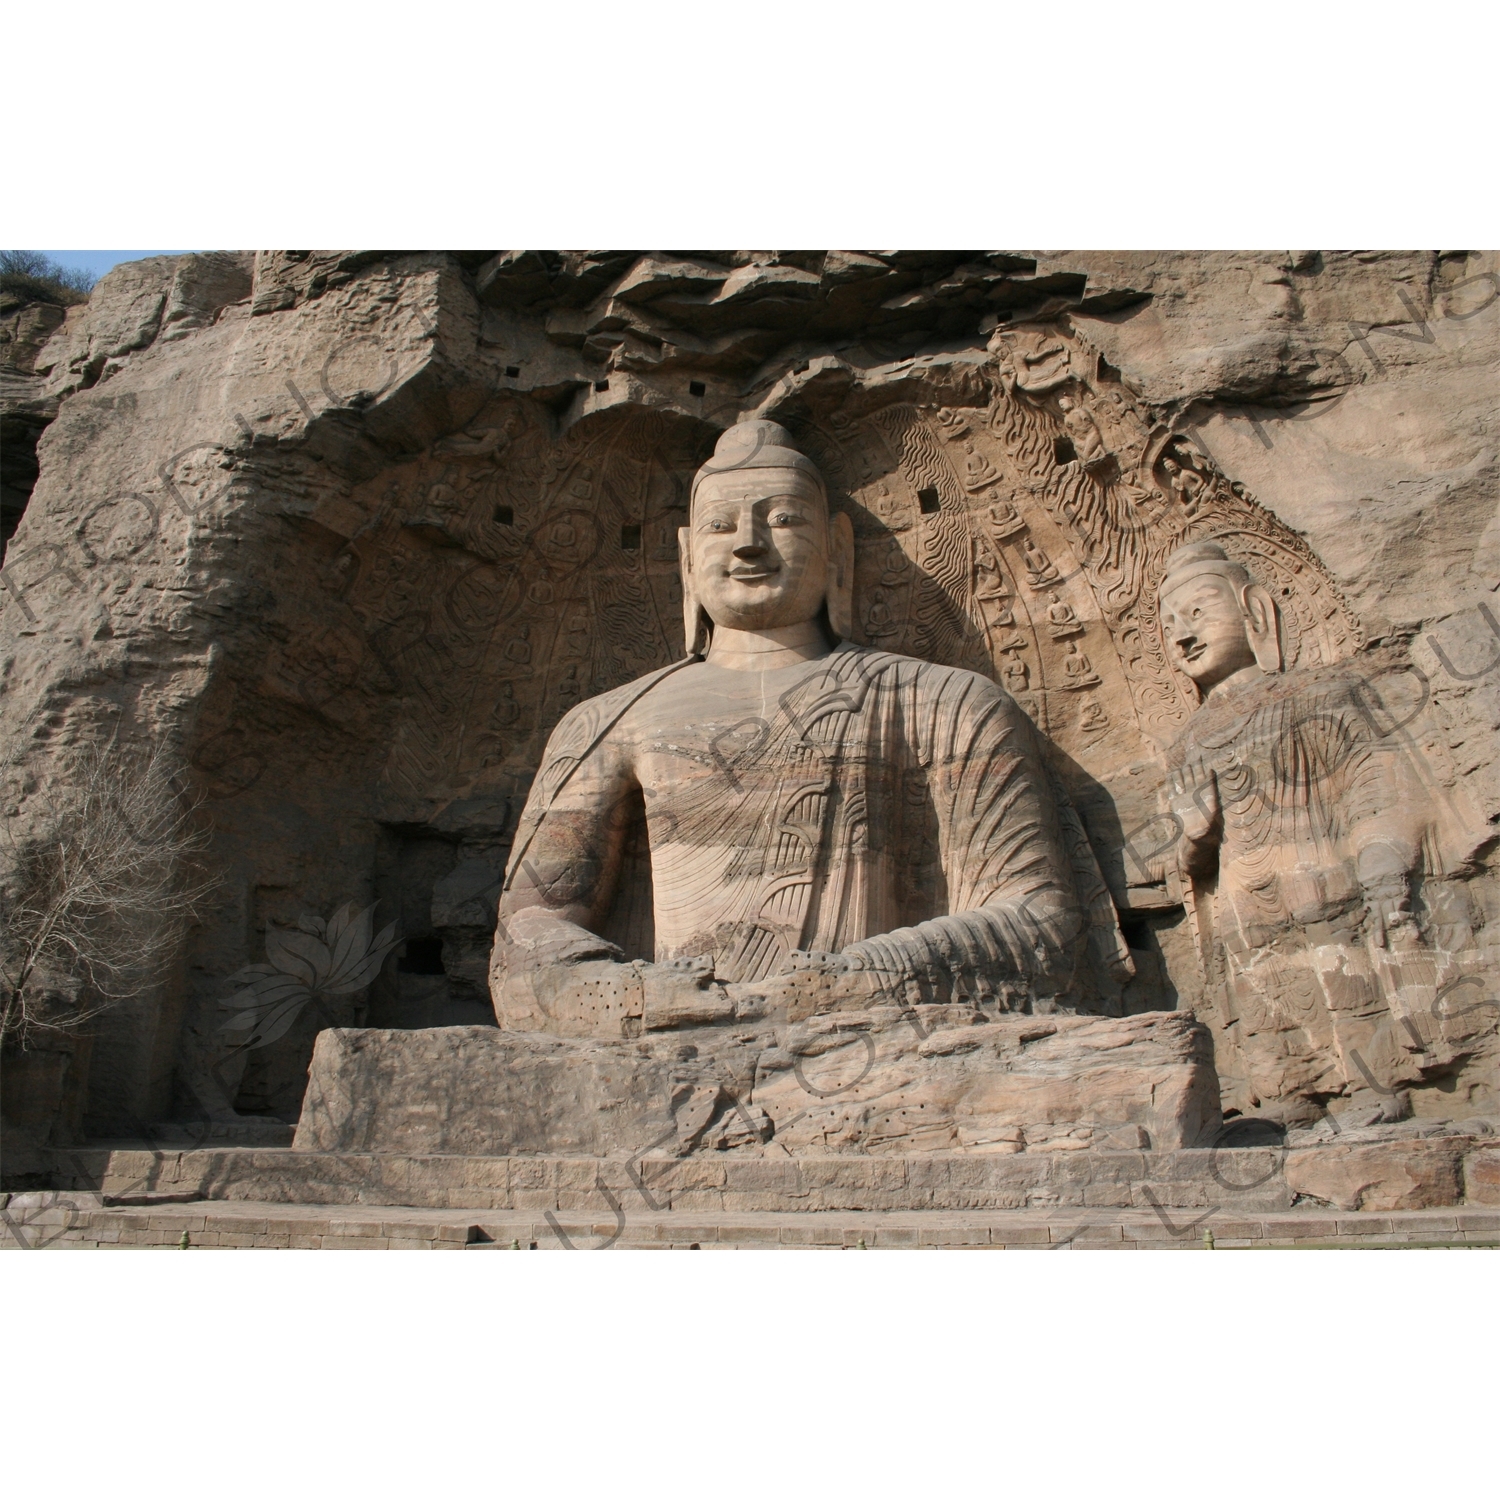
x: 1399, y: 1176
x: 56, y: 1220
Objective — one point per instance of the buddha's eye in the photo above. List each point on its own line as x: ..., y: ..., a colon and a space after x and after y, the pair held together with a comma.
x: 784, y: 518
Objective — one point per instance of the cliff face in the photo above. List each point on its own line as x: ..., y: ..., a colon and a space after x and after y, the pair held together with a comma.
x: 348, y: 532
x: 25, y: 408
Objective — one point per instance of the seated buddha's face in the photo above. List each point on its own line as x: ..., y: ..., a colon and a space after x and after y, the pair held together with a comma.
x: 1204, y: 625
x: 760, y: 548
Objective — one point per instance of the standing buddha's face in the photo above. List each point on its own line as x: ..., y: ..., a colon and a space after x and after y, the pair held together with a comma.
x: 760, y: 548
x: 1203, y: 621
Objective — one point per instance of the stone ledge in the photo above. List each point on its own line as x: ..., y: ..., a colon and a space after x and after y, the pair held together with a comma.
x: 266, y: 1226
x: 1334, y: 1179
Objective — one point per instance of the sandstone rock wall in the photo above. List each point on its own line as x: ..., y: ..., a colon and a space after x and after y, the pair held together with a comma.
x: 25, y: 409
x: 349, y: 532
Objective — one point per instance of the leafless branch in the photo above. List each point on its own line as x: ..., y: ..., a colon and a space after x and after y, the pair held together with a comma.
x: 101, y: 893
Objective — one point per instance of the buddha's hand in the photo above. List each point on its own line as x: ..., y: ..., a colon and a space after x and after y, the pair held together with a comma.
x: 684, y: 992
x: 1194, y: 802
x: 809, y: 983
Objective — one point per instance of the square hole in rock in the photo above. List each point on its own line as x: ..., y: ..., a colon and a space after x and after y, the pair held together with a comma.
x: 929, y: 500
x: 1063, y: 450
x: 696, y: 388
x: 422, y: 956
x: 601, y: 385
x: 512, y: 371
x: 630, y: 538
x: 504, y: 516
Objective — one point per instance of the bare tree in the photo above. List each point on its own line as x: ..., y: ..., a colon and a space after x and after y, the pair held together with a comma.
x: 38, y: 276
x: 101, y: 895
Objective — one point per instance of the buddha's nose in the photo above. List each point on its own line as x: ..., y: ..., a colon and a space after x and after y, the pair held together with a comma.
x: 749, y: 541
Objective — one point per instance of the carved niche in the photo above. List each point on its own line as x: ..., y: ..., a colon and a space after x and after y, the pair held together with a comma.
x: 1013, y: 510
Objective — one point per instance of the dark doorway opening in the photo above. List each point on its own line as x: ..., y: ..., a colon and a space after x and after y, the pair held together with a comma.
x: 421, y: 956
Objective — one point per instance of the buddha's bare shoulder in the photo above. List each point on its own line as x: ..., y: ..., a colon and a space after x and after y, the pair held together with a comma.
x: 595, y: 717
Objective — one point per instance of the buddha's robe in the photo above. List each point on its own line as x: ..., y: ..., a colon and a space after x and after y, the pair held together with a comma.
x: 1321, y: 824
x: 1319, y: 811
x: 865, y: 804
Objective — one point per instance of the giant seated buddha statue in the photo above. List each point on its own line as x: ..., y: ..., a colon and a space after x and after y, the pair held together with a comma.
x: 784, y: 822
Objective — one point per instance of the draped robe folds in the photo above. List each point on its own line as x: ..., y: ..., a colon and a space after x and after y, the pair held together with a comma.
x: 1318, y: 808
x: 1321, y: 815
x: 866, y: 804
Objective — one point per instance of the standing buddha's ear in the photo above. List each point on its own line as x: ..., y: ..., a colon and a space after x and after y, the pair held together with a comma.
x: 1262, y: 626
x: 696, y: 626
x: 840, y: 575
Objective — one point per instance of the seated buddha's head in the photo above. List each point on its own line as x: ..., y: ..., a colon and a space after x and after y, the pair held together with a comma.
x: 761, y: 550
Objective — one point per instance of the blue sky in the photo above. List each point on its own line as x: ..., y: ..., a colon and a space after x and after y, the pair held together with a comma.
x: 100, y: 261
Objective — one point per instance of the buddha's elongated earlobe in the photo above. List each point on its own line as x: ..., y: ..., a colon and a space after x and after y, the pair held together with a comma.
x: 697, y: 628
x: 841, y: 575
x: 1262, y: 626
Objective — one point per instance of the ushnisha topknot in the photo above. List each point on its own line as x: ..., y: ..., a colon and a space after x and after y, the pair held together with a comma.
x: 1202, y: 557
x: 757, y: 445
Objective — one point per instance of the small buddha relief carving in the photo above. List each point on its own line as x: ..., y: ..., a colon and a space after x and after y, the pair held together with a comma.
x: 953, y: 424
x: 495, y: 740
x: 1040, y: 572
x: 894, y: 566
x: 484, y: 442
x: 506, y: 710
x: 880, y: 618
x: 518, y: 650
x: 1083, y: 430
x: 1003, y: 519
x: 1093, y: 718
x: 989, y: 581
x: 1042, y: 362
x: 1062, y: 621
x: 1078, y: 670
x: 893, y: 510
x: 979, y: 472
x: 1186, y: 485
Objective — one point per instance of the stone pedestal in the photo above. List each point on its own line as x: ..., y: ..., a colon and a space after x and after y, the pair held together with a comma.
x: 880, y: 1082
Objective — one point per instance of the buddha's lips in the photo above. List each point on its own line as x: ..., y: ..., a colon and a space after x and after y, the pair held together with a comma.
x: 753, y: 575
